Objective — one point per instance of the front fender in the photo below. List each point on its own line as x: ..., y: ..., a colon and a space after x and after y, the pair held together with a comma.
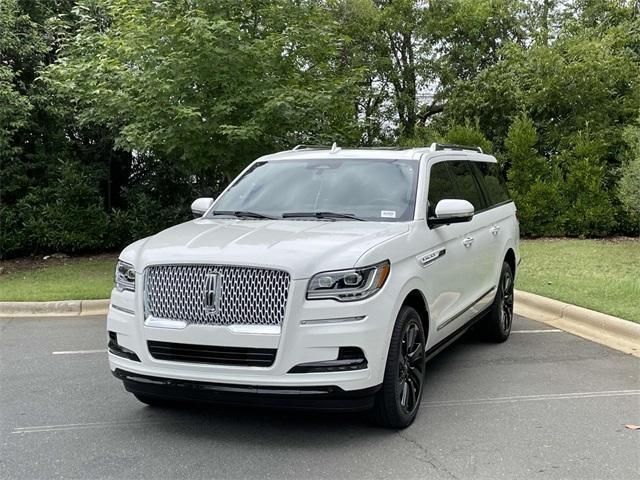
x: 414, y: 283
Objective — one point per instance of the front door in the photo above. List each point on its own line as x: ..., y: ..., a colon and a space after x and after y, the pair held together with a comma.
x: 446, y: 268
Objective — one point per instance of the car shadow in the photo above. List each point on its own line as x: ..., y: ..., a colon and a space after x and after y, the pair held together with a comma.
x: 283, y: 425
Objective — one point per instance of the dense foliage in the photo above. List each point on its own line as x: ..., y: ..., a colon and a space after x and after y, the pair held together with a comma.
x: 115, y: 114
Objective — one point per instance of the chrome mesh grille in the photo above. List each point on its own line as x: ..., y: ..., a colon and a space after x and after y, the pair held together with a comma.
x: 252, y: 296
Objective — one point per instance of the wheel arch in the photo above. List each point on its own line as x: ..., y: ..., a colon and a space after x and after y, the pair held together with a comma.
x: 411, y: 294
x: 416, y: 300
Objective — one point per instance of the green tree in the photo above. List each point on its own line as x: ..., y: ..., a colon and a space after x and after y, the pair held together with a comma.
x: 534, y: 183
x: 576, y: 81
x: 21, y: 49
x: 37, y: 128
x: 465, y: 38
x: 590, y: 209
x: 133, y: 106
x: 526, y: 165
x: 212, y: 84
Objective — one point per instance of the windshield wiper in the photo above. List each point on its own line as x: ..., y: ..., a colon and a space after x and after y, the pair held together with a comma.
x: 241, y: 214
x: 350, y: 216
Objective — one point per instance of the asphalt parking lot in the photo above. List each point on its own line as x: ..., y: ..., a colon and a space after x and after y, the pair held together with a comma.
x: 545, y: 404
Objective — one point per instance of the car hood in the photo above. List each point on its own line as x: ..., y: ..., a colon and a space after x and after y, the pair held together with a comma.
x: 300, y: 247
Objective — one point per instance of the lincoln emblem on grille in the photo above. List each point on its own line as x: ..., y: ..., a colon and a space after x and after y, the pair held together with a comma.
x: 212, y: 289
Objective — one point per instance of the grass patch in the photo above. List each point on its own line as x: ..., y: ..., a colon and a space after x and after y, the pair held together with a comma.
x: 80, y: 278
x: 602, y: 275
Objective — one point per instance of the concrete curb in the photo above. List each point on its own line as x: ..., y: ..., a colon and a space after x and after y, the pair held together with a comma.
x: 67, y: 308
x: 598, y: 327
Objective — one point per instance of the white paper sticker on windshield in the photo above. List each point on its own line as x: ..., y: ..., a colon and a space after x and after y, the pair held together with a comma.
x: 388, y: 213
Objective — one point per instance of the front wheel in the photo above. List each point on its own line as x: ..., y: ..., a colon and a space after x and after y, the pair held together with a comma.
x: 497, y: 323
x: 398, y: 400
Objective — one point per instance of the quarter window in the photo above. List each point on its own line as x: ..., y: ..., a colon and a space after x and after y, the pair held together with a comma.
x: 494, y: 184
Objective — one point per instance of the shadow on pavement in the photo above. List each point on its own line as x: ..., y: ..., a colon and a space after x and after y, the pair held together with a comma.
x: 275, y: 424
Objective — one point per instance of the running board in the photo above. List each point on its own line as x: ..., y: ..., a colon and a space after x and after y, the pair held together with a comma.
x: 444, y: 343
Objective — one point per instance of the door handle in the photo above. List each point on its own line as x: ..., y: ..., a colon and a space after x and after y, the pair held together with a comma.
x: 467, y: 241
x: 495, y: 229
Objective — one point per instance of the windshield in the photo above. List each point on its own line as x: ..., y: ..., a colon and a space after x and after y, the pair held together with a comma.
x: 374, y: 190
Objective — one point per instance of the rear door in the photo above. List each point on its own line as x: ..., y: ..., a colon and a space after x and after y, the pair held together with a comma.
x: 499, y: 214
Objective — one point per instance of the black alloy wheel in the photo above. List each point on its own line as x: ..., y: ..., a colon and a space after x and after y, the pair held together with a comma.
x: 506, y: 307
x: 398, y: 400
x: 496, y: 326
x: 411, y: 367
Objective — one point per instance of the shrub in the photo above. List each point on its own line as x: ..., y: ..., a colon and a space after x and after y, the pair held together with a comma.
x: 565, y: 194
x: 539, y: 207
x: 534, y: 185
x: 526, y: 166
x: 629, y: 187
x: 67, y: 215
x: 629, y: 184
x: 589, y: 209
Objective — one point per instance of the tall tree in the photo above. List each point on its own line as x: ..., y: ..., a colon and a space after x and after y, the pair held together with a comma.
x: 211, y: 84
x: 38, y: 134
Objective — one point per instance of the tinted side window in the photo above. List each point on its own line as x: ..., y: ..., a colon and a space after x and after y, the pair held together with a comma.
x: 494, y: 184
x: 467, y: 184
x: 440, y: 186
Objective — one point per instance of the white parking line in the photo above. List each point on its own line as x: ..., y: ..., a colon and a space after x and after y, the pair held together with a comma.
x: 443, y: 403
x: 546, y: 330
x: 82, y: 426
x: 532, y: 398
x: 78, y: 352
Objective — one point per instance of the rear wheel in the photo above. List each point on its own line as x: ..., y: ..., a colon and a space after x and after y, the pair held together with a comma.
x: 398, y: 400
x: 497, y: 323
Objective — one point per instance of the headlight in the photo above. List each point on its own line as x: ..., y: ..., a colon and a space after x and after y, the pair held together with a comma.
x: 125, y: 277
x: 348, y: 285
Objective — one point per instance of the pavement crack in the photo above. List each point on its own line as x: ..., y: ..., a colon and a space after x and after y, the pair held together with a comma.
x: 425, y: 456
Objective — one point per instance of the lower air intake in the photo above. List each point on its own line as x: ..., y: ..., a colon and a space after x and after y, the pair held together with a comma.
x: 212, y: 355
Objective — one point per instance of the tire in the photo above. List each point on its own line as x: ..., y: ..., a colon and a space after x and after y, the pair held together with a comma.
x: 153, y: 401
x: 498, y: 321
x: 398, y: 401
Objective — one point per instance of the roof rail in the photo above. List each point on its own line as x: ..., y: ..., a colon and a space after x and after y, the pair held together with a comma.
x: 312, y: 147
x: 329, y: 147
x: 434, y: 147
x: 448, y: 146
x: 386, y: 148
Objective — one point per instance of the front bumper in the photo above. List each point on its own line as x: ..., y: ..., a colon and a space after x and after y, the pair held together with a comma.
x: 328, y: 397
x: 308, y: 334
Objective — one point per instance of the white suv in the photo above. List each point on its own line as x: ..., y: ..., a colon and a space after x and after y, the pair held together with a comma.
x: 320, y: 278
